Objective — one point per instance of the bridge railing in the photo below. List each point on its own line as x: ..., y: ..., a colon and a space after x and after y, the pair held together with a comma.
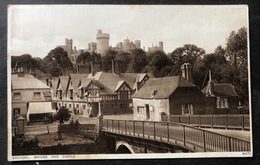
x: 193, y: 138
x: 211, y: 121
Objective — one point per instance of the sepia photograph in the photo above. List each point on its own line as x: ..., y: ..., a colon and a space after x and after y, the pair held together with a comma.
x: 128, y: 81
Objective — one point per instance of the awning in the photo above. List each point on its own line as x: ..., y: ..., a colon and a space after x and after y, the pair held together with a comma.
x: 39, y: 108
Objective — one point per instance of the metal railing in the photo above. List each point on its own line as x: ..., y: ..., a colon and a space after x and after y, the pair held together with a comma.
x: 211, y: 121
x: 192, y: 138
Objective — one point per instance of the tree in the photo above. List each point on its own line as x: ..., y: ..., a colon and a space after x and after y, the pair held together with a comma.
x: 157, y: 61
x: 236, y: 53
x: 86, y: 57
x: 56, y: 61
x: 237, y: 47
x: 107, y: 60
x: 26, y: 62
x: 188, y: 53
x: 214, y: 62
x: 123, y: 59
x: 137, y: 61
x: 62, y: 115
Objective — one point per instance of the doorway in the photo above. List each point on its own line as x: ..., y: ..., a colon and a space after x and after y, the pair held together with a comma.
x: 147, y: 112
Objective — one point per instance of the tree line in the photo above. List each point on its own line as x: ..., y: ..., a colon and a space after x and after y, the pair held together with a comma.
x: 227, y: 63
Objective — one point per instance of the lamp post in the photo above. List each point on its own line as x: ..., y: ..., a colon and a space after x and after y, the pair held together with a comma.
x: 99, y: 106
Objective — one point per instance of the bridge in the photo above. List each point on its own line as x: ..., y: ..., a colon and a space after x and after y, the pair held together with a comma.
x: 132, y: 136
x: 188, y: 134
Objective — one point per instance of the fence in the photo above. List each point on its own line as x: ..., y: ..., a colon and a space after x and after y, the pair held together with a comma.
x: 41, y: 129
x: 67, y: 128
x: 212, y: 121
x: 193, y: 138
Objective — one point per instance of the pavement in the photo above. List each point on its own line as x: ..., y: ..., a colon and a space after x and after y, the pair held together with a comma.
x: 244, y: 135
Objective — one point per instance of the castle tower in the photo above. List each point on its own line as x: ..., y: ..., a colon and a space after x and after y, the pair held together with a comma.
x: 126, y: 45
x: 92, y: 47
x: 161, y: 45
x: 137, y: 44
x: 102, y: 42
x: 68, y: 44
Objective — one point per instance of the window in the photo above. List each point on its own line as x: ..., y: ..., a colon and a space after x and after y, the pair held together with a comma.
x: 123, y: 95
x: 84, y: 106
x: 69, y: 105
x: 140, y: 110
x: 71, y: 93
x: 77, y: 106
x: 17, y: 96
x: 92, y: 92
x: 36, y: 95
x: 222, y: 102
x: 59, y: 94
x: 187, y: 109
x: 16, y: 112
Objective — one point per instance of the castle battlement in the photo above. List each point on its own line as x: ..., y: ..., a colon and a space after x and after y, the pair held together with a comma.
x: 103, y: 36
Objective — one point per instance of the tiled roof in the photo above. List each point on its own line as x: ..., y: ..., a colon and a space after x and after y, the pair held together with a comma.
x: 164, y: 87
x: 75, y: 78
x: 54, y: 83
x: 222, y: 89
x: 131, y: 78
x: 27, y: 82
x: 64, y: 80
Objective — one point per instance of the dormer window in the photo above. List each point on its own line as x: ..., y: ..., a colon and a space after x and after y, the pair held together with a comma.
x: 153, y: 93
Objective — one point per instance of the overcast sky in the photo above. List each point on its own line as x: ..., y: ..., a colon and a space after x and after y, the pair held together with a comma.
x: 37, y: 29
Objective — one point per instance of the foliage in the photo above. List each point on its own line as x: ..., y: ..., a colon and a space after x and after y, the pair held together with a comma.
x: 86, y: 57
x: 62, y: 114
x: 123, y: 59
x: 137, y: 61
x: 237, y: 47
x: 26, y: 62
x: 107, y: 60
x: 158, y: 64
x: 228, y: 65
x: 56, y: 61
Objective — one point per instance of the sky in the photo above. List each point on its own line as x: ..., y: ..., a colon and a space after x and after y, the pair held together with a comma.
x: 37, y: 29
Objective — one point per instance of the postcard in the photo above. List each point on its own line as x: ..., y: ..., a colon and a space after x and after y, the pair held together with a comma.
x: 128, y: 82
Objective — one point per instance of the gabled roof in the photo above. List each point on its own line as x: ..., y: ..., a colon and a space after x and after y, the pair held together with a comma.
x: 131, y: 78
x: 164, y: 87
x: 119, y: 84
x: 54, y: 83
x: 75, y: 79
x: 64, y: 80
x: 107, y: 82
x: 222, y: 89
x: 27, y: 81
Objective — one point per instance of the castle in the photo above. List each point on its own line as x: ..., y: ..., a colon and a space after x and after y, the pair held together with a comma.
x: 101, y: 46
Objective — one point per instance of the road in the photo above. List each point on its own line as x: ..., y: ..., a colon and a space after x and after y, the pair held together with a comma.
x: 174, y: 133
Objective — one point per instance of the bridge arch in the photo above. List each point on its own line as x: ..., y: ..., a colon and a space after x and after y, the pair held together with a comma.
x: 124, y: 147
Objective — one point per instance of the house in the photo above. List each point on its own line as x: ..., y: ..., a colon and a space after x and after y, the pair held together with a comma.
x: 170, y: 95
x: 27, y: 94
x: 221, y: 98
x: 99, y: 92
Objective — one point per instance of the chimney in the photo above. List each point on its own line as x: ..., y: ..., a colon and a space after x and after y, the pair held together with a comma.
x: 97, y: 67
x: 115, y: 67
x: 210, y: 85
x: 187, y: 72
x: 92, y: 68
x: 20, y: 72
x: 138, y: 84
